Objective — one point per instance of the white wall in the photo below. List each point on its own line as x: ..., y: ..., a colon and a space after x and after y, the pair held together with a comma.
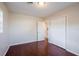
x: 4, y: 36
x: 72, y: 28
x: 22, y: 29
x: 56, y: 31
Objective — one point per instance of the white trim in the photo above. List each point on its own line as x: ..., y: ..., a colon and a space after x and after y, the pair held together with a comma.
x: 72, y: 52
x: 6, y: 51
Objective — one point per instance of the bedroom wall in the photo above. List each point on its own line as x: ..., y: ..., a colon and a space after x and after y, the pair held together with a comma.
x: 22, y: 28
x: 4, y: 35
x: 56, y: 31
x: 67, y: 32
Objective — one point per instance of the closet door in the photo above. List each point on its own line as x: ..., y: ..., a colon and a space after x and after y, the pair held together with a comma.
x: 72, y: 42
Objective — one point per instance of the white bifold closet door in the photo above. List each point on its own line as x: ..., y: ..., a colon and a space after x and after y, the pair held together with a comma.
x: 72, y: 42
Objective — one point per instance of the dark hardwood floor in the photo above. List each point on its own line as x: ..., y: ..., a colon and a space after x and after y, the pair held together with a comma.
x: 54, y: 50
x: 37, y: 49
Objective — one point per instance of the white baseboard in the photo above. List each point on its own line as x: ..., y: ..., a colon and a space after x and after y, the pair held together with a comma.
x: 6, y: 51
x: 72, y: 52
x: 20, y: 43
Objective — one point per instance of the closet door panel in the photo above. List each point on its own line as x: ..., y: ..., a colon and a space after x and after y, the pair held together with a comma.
x: 72, y: 42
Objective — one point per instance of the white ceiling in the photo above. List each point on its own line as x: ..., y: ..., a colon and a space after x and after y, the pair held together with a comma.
x: 25, y: 8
